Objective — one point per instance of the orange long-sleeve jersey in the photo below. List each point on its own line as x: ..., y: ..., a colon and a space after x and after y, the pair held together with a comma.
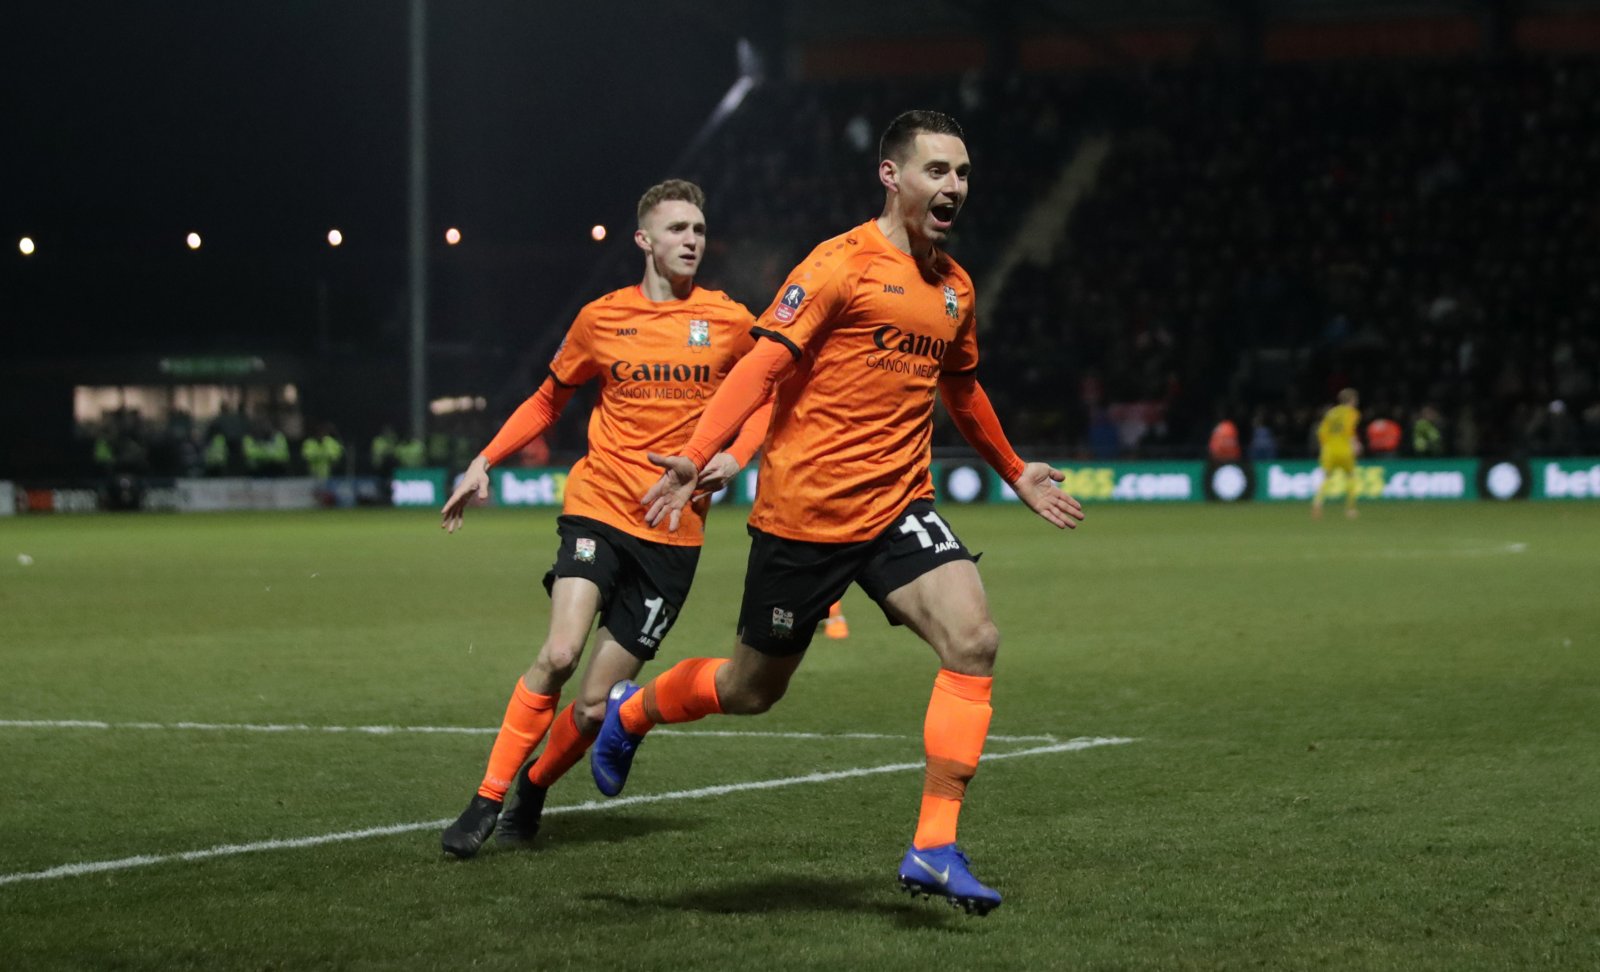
x: 860, y: 341
x: 658, y: 363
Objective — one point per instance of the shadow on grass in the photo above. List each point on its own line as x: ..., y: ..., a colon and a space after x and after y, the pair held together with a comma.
x: 799, y: 895
x: 562, y: 831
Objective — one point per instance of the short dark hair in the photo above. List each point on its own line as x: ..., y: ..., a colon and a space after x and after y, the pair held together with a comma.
x: 681, y: 190
x: 902, y: 132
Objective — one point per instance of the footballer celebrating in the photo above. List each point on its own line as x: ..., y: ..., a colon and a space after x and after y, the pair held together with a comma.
x: 862, y: 336
x: 659, y: 351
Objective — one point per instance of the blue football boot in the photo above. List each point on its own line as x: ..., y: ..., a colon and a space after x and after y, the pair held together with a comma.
x: 612, y: 755
x: 943, y: 871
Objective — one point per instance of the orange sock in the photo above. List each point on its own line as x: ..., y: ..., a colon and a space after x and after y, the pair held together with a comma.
x: 953, y: 735
x: 566, y: 746
x: 683, y: 693
x: 528, y: 715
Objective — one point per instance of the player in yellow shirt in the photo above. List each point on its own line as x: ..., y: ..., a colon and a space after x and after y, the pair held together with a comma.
x: 1336, y: 437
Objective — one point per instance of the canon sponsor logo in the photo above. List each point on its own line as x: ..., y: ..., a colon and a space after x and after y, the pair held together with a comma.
x: 891, y: 338
x: 659, y: 371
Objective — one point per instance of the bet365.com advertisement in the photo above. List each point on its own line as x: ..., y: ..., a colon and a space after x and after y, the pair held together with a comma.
x: 1378, y: 479
x: 1117, y: 482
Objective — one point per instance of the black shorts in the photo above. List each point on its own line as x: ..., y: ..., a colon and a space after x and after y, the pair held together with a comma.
x: 790, y: 584
x: 642, y: 584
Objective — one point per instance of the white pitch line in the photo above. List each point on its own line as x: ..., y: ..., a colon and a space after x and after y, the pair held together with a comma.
x: 440, y: 730
x: 1042, y: 738
x: 230, y: 850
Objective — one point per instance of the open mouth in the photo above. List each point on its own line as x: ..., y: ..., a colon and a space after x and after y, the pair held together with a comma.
x: 944, y: 214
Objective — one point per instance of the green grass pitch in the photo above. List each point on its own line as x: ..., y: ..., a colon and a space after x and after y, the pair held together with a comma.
x: 1363, y: 745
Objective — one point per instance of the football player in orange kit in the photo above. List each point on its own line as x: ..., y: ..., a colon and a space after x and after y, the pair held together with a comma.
x: 659, y: 350
x: 863, y: 335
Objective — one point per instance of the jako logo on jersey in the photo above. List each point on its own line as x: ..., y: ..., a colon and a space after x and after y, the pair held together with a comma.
x: 782, y: 623
x: 789, y: 303
x: 627, y: 331
x: 950, y: 305
x: 893, y: 289
x: 699, y: 334
x: 658, y: 371
x: 891, y: 338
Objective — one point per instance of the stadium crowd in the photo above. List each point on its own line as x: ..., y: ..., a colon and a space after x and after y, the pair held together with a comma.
x: 236, y: 443
x: 1258, y: 238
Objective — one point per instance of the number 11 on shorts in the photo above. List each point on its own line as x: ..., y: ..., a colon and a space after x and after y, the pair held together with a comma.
x: 910, y: 525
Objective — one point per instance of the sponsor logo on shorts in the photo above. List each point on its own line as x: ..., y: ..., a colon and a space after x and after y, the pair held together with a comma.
x: 583, y: 550
x: 789, y: 303
x: 782, y: 623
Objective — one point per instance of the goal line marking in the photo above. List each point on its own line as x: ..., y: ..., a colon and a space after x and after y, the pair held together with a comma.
x: 292, y: 843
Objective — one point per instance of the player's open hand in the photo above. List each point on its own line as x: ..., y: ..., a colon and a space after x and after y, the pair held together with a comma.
x: 1037, y: 488
x: 718, y: 473
x: 671, y: 493
x: 474, y: 484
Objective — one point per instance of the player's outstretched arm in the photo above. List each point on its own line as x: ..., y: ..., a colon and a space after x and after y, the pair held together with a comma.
x: 527, y: 423
x: 1037, y: 488
x: 475, y: 483
x: 671, y: 493
x: 718, y: 473
x: 725, y: 465
x: 1034, y: 482
x: 747, y: 389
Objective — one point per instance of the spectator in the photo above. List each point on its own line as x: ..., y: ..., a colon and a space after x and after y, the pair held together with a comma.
x: 1224, y: 445
x: 1427, y: 439
x: 384, y: 446
x: 1383, y: 437
x: 322, y: 453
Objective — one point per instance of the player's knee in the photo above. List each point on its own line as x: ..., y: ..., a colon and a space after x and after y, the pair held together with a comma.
x: 588, y: 714
x: 973, y: 648
x: 749, y: 699
x: 559, y: 658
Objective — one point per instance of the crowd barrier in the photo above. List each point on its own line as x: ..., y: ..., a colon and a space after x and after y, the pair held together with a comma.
x: 1377, y: 479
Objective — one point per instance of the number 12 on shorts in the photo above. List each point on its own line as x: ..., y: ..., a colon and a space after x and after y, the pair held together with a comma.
x: 910, y: 525
x: 657, y: 606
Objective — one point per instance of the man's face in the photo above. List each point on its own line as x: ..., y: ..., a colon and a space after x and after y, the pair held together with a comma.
x: 674, y: 234
x: 932, y: 184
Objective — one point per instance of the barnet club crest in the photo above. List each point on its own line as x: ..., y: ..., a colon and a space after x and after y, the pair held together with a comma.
x: 699, y: 334
x: 782, y: 623
x: 950, y: 306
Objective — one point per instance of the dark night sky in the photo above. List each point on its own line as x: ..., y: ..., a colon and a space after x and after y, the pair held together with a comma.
x: 262, y: 124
